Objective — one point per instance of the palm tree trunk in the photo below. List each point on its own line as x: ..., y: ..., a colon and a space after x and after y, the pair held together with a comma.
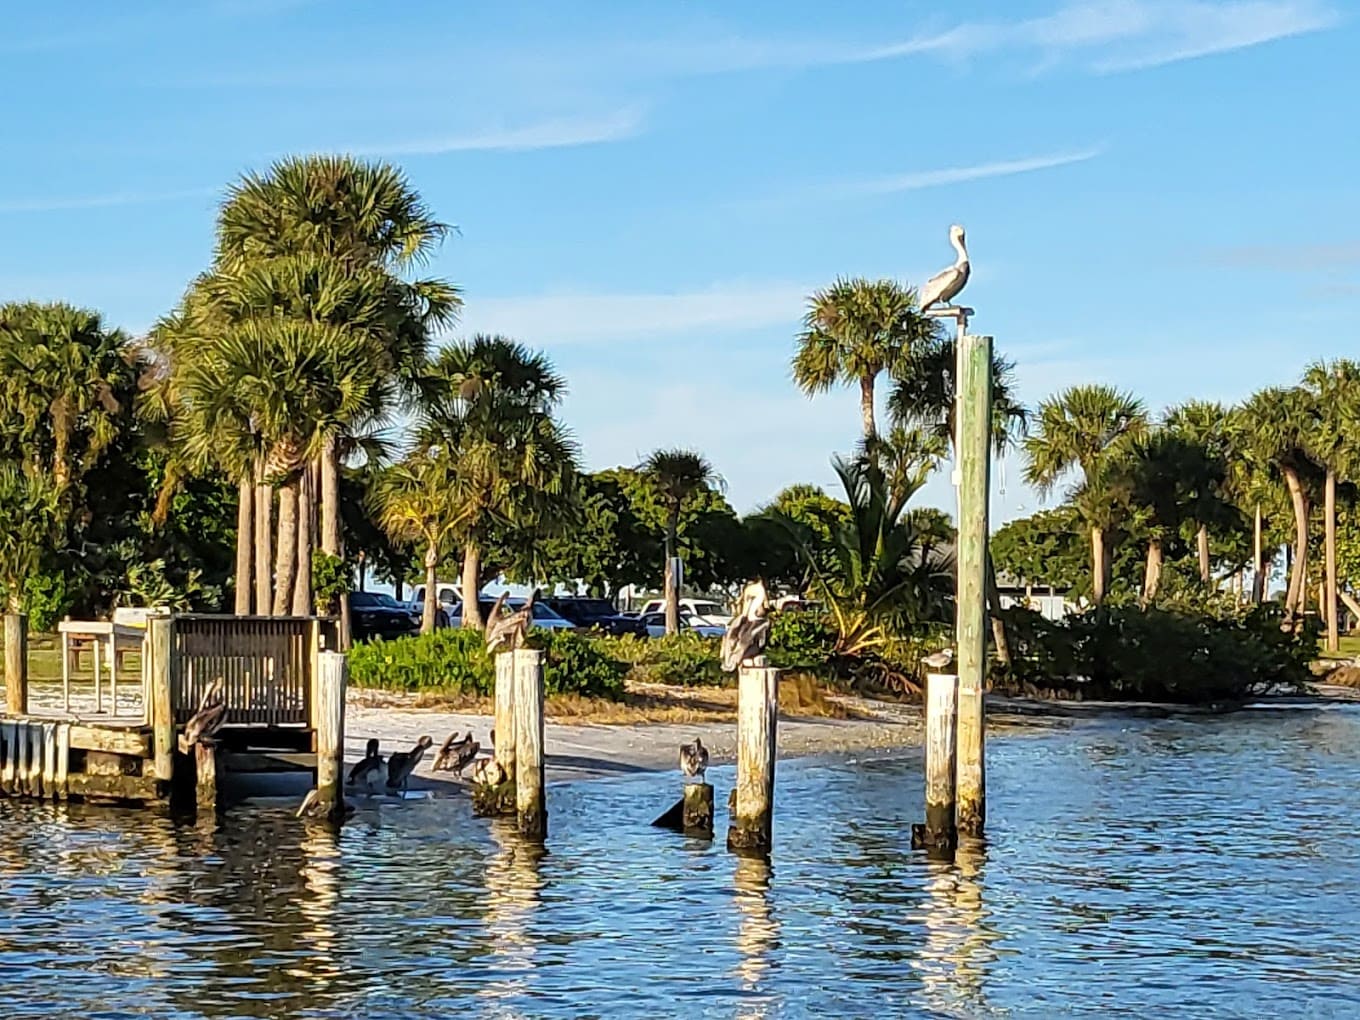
x: 1099, y: 565
x: 866, y: 406
x: 472, y: 586
x: 1258, y: 577
x: 306, y: 510
x: 672, y: 583
x: 431, y: 605
x: 1152, y: 575
x: 245, y: 543
x: 1202, y: 541
x: 999, y: 635
x: 1333, y: 632
x: 1296, y: 596
x: 285, y: 562
x: 264, y: 556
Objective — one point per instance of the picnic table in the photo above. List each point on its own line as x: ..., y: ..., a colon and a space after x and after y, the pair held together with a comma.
x: 100, y: 634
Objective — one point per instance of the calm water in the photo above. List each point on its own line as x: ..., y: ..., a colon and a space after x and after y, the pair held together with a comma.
x: 1149, y: 868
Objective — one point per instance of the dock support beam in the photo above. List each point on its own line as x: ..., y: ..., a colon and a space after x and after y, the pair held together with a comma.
x: 939, y: 833
x: 16, y: 664
x: 530, y: 802
x: 974, y: 415
x: 757, y: 721
x: 331, y: 680
x: 159, y: 635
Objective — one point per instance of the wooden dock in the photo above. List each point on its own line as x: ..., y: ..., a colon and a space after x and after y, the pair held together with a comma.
x: 269, y: 668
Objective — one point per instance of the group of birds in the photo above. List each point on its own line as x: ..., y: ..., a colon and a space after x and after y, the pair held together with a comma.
x: 374, y: 774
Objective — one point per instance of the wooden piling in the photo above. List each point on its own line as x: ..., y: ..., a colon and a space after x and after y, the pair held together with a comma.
x: 757, y: 720
x: 505, y: 732
x: 697, y: 819
x: 530, y: 803
x: 205, y: 774
x: 157, y: 645
x: 16, y: 663
x: 9, y: 732
x: 974, y: 454
x: 332, y: 677
x: 938, y: 832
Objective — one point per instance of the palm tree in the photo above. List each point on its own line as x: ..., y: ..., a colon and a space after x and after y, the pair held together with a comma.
x: 1272, y: 429
x: 889, y: 569
x: 489, y: 409
x: 1088, y: 428
x: 853, y: 331
x: 1164, y: 471
x: 1335, y: 389
x: 924, y: 394
x: 676, y: 476
x: 28, y: 505
x: 413, y: 503
x: 1203, y: 425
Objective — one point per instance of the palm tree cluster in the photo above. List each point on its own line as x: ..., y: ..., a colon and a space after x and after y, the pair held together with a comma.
x: 1205, y: 477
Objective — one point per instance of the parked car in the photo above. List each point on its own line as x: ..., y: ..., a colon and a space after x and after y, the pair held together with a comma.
x: 374, y: 615
x: 445, y: 593
x: 544, y: 615
x: 597, y: 614
x: 656, y: 625
x: 417, y: 610
x: 705, y: 610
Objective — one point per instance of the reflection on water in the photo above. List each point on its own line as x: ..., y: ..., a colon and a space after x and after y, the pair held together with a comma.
x: 1160, y: 867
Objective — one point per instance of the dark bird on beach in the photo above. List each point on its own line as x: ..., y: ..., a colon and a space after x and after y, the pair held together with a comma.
x: 203, y: 724
x: 403, y: 763
x: 749, y: 630
x: 456, y: 754
x: 937, y: 661
x: 507, y: 632
x: 694, y: 760
x: 370, y: 771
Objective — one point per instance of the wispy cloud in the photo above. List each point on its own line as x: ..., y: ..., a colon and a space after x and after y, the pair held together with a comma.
x: 58, y: 203
x: 1104, y: 36
x: 572, y: 317
x: 919, y: 179
x: 548, y: 134
x: 1288, y: 258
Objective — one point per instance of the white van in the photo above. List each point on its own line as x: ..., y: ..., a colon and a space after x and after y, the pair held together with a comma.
x: 703, y: 611
x: 445, y: 594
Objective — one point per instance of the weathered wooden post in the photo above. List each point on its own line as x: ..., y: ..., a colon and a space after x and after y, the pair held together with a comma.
x: 530, y: 802
x: 974, y: 415
x: 697, y: 819
x: 157, y: 646
x: 491, y: 799
x: 938, y: 832
x: 205, y: 774
x: 332, y: 678
x: 757, y: 719
x: 16, y: 663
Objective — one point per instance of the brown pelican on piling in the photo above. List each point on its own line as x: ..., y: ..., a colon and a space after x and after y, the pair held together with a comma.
x: 403, y: 763
x: 693, y: 761
x: 507, y: 632
x: 943, y: 287
x: 749, y: 629
x: 370, y: 771
x: 203, y: 724
x: 456, y: 755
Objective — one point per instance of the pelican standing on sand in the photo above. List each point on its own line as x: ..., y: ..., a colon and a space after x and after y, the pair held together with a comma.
x: 403, y: 763
x: 943, y: 287
x: 370, y: 771
x: 693, y: 761
x: 509, y: 631
x: 749, y: 630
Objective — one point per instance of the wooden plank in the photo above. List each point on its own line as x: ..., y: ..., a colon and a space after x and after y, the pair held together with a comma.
x: 9, y: 759
x: 49, y: 776
x: 63, y: 757
x: 136, y: 743
x: 111, y: 787
x: 21, y: 765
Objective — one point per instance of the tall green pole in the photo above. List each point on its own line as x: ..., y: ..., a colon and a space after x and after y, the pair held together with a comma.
x: 974, y: 464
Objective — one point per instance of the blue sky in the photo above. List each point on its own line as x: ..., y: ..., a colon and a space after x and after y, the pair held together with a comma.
x: 1159, y: 195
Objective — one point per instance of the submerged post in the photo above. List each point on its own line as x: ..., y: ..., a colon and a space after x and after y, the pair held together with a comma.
x: 157, y: 647
x: 939, y: 833
x: 16, y: 663
x: 757, y: 721
x: 974, y: 455
x: 697, y: 814
x: 332, y: 676
x: 530, y: 803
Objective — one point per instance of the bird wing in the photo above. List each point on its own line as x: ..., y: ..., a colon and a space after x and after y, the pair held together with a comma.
x: 733, y: 641
x: 362, y: 768
x: 934, y: 289
x: 397, y: 766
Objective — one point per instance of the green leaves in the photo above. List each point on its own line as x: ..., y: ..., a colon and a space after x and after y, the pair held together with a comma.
x: 30, y: 523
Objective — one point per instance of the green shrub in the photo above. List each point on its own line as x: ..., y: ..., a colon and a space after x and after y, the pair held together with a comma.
x: 799, y: 640
x: 683, y: 660
x: 330, y: 581
x: 47, y: 599
x: 454, y: 660
x: 1223, y: 652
